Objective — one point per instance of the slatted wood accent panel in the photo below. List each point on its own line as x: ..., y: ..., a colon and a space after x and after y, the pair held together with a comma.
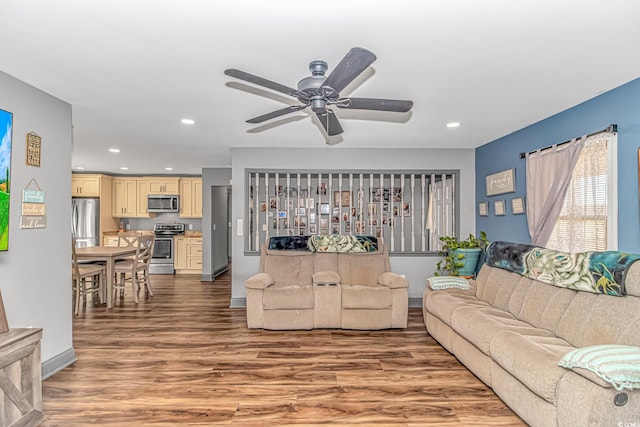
x: 20, y: 378
x: 410, y: 210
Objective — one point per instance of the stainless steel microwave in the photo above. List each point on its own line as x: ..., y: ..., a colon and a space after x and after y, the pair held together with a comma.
x: 163, y: 203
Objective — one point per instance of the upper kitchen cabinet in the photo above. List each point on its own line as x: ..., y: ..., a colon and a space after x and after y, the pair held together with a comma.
x: 125, y: 199
x: 163, y: 185
x: 86, y: 185
x: 191, y: 198
x: 143, y: 192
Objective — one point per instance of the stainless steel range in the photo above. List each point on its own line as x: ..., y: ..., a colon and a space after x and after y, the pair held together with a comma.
x: 163, y: 250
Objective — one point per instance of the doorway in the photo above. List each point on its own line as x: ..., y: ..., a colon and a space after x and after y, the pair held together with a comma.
x: 220, y: 197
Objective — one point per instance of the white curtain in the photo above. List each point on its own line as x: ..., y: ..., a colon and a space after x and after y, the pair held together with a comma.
x: 548, y: 176
x: 584, y: 220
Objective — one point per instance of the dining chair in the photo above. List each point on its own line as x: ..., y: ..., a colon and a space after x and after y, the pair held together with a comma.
x: 135, y: 269
x: 128, y: 238
x: 87, y: 279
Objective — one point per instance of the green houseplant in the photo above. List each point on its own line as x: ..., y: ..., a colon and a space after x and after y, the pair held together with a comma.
x: 460, y: 256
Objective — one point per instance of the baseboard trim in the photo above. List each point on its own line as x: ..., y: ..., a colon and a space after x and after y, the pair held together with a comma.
x: 415, y: 302
x: 242, y: 302
x: 238, y: 303
x: 58, y: 363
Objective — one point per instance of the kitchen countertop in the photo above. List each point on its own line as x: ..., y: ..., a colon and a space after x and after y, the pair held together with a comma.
x: 115, y: 232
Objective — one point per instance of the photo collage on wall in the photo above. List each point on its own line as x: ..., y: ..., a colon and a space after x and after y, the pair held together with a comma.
x: 392, y: 206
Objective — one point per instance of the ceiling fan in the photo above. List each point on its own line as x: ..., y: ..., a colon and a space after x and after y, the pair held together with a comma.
x: 319, y: 92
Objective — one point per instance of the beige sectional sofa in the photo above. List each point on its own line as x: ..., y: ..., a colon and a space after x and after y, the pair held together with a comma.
x: 304, y: 290
x: 511, y: 331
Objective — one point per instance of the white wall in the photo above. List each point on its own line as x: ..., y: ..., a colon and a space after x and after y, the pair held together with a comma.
x: 417, y: 269
x: 35, y: 274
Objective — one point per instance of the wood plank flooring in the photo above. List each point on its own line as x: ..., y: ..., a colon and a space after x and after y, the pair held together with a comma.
x: 182, y: 357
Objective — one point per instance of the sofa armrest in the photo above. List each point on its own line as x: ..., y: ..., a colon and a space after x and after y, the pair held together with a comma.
x: 392, y: 280
x: 259, y: 281
x: 326, y: 278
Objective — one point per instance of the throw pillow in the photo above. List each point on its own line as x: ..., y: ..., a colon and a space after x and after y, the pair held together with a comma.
x: 619, y: 365
x: 437, y: 283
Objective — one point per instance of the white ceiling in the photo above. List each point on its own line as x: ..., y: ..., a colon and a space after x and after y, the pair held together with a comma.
x: 133, y: 69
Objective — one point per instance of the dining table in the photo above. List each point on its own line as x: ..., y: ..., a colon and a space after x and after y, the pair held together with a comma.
x: 108, y: 255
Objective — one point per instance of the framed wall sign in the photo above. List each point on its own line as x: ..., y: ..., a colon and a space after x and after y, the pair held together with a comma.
x: 483, y: 209
x: 501, y: 182
x: 34, y: 144
x: 517, y: 205
x: 498, y: 207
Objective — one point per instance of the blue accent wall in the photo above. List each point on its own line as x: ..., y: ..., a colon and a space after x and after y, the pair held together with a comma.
x: 619, y: 106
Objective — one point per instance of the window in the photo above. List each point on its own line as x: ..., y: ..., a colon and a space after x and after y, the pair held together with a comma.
x: 409, y: 209
x: 587, y: 221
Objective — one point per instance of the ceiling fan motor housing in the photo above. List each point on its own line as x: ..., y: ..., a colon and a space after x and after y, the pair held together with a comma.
x: 310, y: 85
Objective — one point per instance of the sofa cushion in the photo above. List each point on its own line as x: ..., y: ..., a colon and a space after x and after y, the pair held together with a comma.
x: 498, y: 287
x: 544, y: 305
x: 362, y: 269
x: 287, y: 297
x: 593, y: 319
x: 531, y: 359
x: 479, y: 325
x: 443, y: 304
x: 289, y: 267
x: 618, y: 365
x: 366, y: 297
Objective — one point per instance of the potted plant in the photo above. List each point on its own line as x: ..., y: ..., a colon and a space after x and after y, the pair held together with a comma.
x: 460, y: 256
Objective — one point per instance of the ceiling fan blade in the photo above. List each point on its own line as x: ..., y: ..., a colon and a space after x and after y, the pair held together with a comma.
x: 277, y: 113
x: 264, y: 82
x: 330, y: 123
x: 355, y: 62
x: 396, y: 105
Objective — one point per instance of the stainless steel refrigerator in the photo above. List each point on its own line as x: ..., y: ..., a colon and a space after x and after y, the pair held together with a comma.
x: 85, y: 221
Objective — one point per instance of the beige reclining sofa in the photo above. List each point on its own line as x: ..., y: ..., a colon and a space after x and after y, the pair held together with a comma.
x: 513, y: 328
x: 305, y: 289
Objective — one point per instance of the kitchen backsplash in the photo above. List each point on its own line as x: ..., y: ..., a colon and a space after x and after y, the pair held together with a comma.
x: 147, y: 223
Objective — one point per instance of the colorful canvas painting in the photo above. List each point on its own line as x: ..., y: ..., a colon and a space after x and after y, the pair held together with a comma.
x: 6, y: 121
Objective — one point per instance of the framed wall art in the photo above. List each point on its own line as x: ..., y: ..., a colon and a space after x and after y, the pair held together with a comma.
x: 501, y: 182
x: 517, y: 205
x: 483, y: 209
x: 6, y: 132
x: 498, y: 207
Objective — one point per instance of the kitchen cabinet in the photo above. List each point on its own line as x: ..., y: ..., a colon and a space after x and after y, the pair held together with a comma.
x: 110, y: 241
x: 143, y: 192
x: 85, y: 185
x: 191, y: 198
x: 188, y: 255
x: 125, y: 199
x: 163, y: 185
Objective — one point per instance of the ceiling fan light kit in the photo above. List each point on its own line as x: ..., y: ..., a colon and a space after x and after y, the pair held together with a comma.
x: 318, y: 92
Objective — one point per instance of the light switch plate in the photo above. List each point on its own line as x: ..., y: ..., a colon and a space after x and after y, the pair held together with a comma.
x: 239, y: 227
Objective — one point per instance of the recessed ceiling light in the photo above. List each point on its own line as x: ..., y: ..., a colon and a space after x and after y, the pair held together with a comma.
x: 124, y: 168
x: 80, y: 168
x: 168, y: 169
x: 187, y: 121
x: 453, y: 124
x: 114, y: 150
